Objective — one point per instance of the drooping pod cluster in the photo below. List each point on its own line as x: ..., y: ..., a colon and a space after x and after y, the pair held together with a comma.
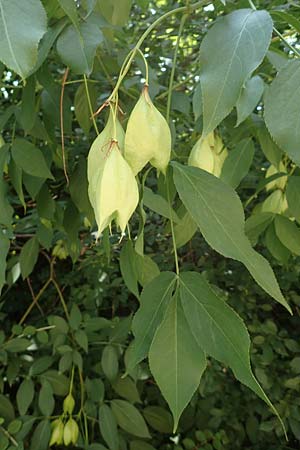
x: 209, y: 153
x: 65, y: 432
x: 115, y: 158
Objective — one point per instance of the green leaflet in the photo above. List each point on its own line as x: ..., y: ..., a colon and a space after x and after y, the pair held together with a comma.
x: 256, y: 224
x: 108, y: 427
x: 129, y: 418
x: 4, y: 247
x: 197, y: 102
x: 159, y: 204
x: 77, y: 49
x: 28, y: 256
x: 219, y: 331
x: 41, y: 436
x: 227, y: 59
x: 30, y: 159
x: 176, y: 361
x: 288, y: 233
x: 19, y: 43
x: 128, y: 268
x: 25, y: 396
x: 218, y: 211
x: 282, y: 101
x: 70, y: 8
x: 154, y: 301
x: 6, y: 210
x: 293, y: 196
x: 274, y: 245
x: 184, y: 230
x: 238, y: 162
x: 250, y: 96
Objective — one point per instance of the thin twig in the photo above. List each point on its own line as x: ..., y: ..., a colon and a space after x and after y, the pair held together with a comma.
x: 33, y: 296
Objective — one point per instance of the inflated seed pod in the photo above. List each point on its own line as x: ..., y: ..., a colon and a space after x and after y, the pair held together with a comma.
x: 202, y: 155
x: 57, y: 432
x: 100, y: 147
x: 148, y: 136
x: 69, y: 404
x: 113, y: 189
x: 279, y: 183
x: 71, y: 432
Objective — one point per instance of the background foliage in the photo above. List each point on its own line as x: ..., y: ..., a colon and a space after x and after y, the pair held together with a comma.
x: 68, y: 302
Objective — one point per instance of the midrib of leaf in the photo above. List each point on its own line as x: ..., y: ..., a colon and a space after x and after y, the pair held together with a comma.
x: 8, y: 38
x: 248, y: 367
x: 228, y: 71
x: 248, y: 262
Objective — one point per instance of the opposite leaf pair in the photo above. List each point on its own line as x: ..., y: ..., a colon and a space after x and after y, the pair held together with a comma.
x: 179, y: 322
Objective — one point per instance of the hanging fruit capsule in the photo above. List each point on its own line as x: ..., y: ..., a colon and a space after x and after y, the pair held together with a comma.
x: 71, y: 432
x: 113, y: 189
x: 209, y: 154
x: 148, y: 137
x: 100, y: 146
x: 202, y: 153
x: 57, y: 432
x: 69, y: 404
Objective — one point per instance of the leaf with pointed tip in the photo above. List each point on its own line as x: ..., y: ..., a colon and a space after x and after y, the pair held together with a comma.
x: 77, y: 50
x: 238, y: 162
x: 218, y: 211
x: 232, y: 49
x: 129, y: 418
x: 30, y: 159
x: 154, y: 301
x: 176, y: 361
x: 219, y: 331
x: 282, y: 101
x: 21, y: 29
x: 249, y: 98
x: 288, y: 233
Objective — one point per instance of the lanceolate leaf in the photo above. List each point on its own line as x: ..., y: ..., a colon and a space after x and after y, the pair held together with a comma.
x: 218, y: 211
x: 238, y: 162
x: 30, y: 159
x: 288, y: 233
x: 250, y: 96
x: 28, y: 256
x: 154, y: 302
x: 21, y: 29
x: 4, y: 247
x: 176, y: 361
x: 129, y: 418
x: 108, y: 427
x: 232, y: 49
x: 219, y: 331
x: 77, y: 50
x: 282, y: 101
x: 293, y: 196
